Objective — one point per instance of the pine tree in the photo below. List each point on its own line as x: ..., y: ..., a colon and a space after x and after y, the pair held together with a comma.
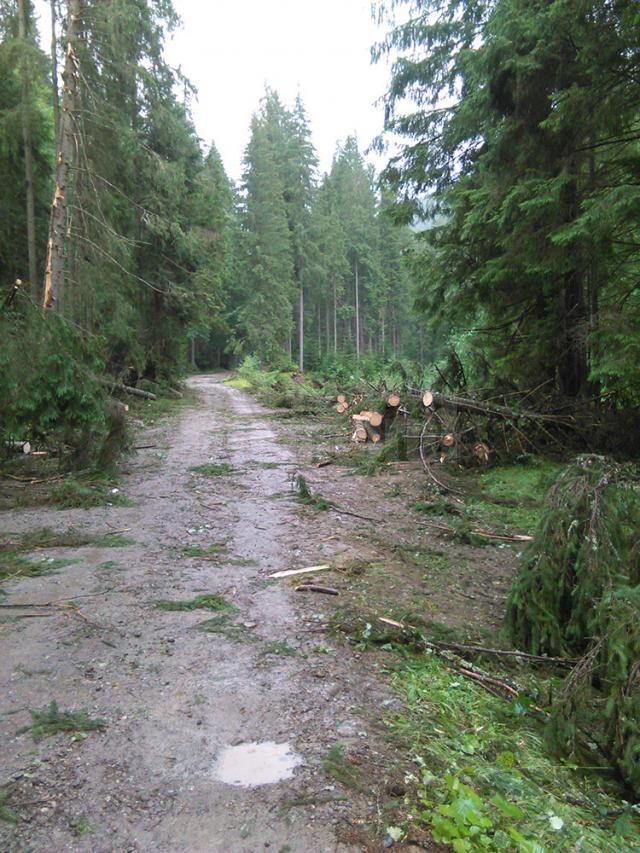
x: 265, y: 319
x: 525, y: 125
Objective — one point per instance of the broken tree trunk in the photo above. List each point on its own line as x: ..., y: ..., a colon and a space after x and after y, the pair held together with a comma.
x: 128, y: 389
x: 434, y: 401
x: 65, y: 160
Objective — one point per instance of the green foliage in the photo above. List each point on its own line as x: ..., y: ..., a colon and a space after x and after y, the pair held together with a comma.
x: 206, y: 601
x: 577, y: 590
x: 81, y: 826
x: 516, y: 165
x: 212, y: 469
x: 336, y: 765
x: 54, y: 396
x: 304, y: 494
x: 52, y: 721
x: 13, y: 565
x: 84, y: 493
x: 582, y: 548
x: 7, y: 813
x: 483, y: 777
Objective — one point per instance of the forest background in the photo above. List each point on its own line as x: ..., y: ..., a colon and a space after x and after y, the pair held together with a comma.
x: 502, y: 238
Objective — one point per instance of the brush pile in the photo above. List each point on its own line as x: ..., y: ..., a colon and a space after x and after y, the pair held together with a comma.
x: 459, y: 432
x: 578, y: 593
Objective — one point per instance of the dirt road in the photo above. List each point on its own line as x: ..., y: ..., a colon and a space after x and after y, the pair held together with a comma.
x: 175, y: 695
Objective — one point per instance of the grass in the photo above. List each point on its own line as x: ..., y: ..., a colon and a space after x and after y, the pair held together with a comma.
x: 279, y: 647
x: 336, y: 765
x: 81, y: 826
x: 84, y: 493
x: 207, y: 601
x: 513, y: 495
x: 7, y: 814
x: 221, y: 624
x: 212, y: 469
x: 212, y: 552
x: 12, y: 565
x: 305, y: 496
x: 44, y: 538
x: 152, y: 411
x: 52, y: 721
x: 483, y: 778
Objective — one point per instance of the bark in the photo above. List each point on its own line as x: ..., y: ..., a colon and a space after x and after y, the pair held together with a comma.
x: 301, y: 329
x: 128, y: 389
x: 54, y: 70
x: 357, y: 313
x: 572, y: 367
x: 28, y: 153
x: 335, y: 318
x: 65, y: 159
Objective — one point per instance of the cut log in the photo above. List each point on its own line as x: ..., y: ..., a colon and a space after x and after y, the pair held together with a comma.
x: 449, y: 440
x: 482, y: 451
x: 118, y: 405
x: 478, y: 407
x: 18, y: 446
x: 128, y: 389
x: 373, y: 433
x: 359, y: 434
x: 174, y: 394
x: 341, y: 398
x: 393, y: 400
x: 375, y: 419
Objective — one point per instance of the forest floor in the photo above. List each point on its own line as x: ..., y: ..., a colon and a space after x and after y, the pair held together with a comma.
x: 156, y: 615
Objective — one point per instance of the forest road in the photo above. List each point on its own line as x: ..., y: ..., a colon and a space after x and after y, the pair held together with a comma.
x: 176, y: 688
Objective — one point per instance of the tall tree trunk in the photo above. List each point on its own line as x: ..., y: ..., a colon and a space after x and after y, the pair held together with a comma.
x: 357, y: 313
x: 327, y: 320
x: 572, y: 368
x: 54, y: 71
x: 335, y: 317
x: 28, y: 152
x: 301, y: 329
x: 54, y: 272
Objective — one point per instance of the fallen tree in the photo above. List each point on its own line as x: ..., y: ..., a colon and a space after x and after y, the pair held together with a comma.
x: 577, y: 592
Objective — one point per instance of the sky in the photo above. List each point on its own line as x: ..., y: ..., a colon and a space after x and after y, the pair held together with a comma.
x: 232, y: 49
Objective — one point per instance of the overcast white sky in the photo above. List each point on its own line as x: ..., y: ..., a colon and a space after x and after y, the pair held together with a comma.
x: 230, y: 49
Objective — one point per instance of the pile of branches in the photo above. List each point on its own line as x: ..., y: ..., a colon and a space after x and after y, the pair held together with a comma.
x: 461, y: 432
x: 578, y: 593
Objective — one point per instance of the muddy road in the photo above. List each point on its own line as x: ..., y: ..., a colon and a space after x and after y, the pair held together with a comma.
x: 177, y: 689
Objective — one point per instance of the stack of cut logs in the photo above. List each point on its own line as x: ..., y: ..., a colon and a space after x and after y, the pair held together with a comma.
x: 369, y: 426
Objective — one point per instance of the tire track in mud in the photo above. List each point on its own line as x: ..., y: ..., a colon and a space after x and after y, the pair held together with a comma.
x: 174, y: 695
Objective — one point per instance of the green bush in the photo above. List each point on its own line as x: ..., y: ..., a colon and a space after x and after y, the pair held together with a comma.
x: 50, y: 393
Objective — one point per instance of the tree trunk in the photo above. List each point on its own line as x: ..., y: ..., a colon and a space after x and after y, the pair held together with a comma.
x: 301, y: 329
x: 54, y: 272
x: 335, y: 318
x: 572, y: 366
x: 54, y: 72
x: 28, y: 152
x: 357, y: 313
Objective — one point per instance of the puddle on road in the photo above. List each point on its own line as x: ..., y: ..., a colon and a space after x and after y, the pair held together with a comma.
x: 251, y: 764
